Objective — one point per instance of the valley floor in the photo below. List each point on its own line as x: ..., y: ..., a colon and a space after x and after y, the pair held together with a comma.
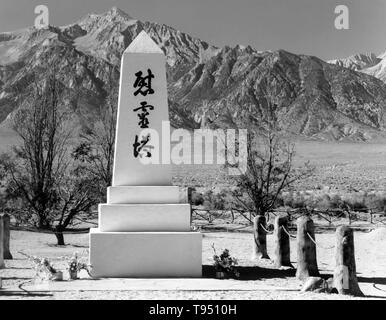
x: 340, y: 166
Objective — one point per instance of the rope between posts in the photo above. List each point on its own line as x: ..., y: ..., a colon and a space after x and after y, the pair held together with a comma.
x: 374, y: 285
x: 285, y: 230
x: 267, y: 231
x: 327, y: 248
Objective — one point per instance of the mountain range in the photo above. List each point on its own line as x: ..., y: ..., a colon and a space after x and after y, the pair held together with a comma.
x: 225, y: 87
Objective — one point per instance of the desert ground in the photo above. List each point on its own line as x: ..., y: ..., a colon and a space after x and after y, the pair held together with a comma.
x: 259, y: 279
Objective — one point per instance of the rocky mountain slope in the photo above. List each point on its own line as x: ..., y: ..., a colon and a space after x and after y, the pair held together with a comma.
x: 208, y: 86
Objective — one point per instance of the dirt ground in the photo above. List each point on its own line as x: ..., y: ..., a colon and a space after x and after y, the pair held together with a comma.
x: 259, y: 280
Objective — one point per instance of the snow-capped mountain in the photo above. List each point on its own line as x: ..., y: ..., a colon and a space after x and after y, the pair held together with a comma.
x: 378, y: 70
x: 367, y: 63
x: 358, y: 61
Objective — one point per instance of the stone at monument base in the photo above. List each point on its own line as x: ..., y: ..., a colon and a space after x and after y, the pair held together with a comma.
x: 146, y: 254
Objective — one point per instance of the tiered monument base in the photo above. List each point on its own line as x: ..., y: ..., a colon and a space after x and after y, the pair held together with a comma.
x: 146, y: 254
x: 145, y: 239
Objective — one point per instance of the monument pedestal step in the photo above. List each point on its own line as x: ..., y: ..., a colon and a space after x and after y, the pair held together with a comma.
x: 146, y: 254
x: 144, y: 217
x: 146, y: 194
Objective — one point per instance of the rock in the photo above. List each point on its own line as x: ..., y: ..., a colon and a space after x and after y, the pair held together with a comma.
x: 319, y: 285
x: 314, y: 284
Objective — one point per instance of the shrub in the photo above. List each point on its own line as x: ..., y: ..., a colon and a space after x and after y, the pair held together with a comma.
x: 294, y: 201
x: 355, y: 204
x: 197, y: 199
x: 225, y: 263
x: 326, y: 202
x: 215, y: 201
x: 375, y: 201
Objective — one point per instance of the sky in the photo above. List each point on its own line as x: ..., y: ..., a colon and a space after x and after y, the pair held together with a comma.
x: 299, y: 26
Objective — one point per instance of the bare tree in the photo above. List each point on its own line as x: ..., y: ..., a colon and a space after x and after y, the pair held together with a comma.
x: 40, y: 160
x: 77, y: 193
x: 270, y: 170
x: 96, y: 149
x: 41, y: 179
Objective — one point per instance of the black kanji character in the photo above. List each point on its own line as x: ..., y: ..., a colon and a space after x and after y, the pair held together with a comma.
x: 142, y: 146
x: 144, y: 83
x: 143, y: 120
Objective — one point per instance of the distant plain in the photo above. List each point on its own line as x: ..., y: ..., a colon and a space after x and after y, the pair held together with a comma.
x: 343, y: 166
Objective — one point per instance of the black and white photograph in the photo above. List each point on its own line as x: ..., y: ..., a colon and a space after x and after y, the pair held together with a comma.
x: 179, y: 150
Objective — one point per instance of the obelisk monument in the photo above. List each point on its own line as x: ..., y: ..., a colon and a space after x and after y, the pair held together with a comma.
x: 144, y: 228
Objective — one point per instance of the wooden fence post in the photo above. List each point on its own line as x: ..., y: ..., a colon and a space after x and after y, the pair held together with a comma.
x: 2, y: 265
x: 260, y: 238
x: 6, y: 235
x: 282, y: 242
x: 306, y: 249
x: 345, y: 279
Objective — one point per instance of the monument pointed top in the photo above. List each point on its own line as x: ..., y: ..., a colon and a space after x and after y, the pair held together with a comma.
x: 143, y: 44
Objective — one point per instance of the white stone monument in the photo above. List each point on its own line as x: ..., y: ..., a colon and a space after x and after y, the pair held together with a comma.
x: 144, y: 229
